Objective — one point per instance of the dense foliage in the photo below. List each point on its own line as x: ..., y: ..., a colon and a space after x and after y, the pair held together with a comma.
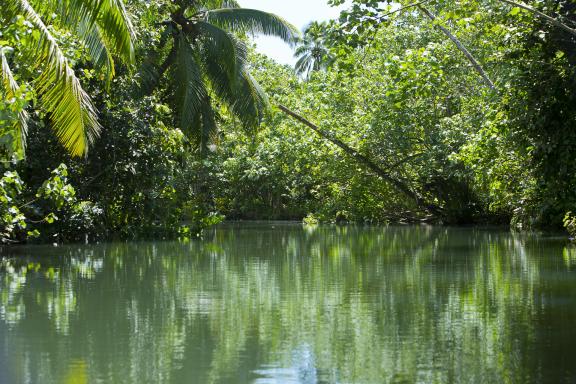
x: 407, y: 97
x: 457, y: 112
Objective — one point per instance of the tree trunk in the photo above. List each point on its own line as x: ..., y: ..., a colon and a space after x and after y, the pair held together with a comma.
x: 461, y: 47
x: 384, y: 175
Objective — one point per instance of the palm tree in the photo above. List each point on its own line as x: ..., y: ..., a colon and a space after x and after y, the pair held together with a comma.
x: 104, y: 28
x: 311, y: 50
x: 205, y: 62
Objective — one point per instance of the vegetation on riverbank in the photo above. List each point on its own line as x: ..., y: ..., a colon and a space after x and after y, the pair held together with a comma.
x: 456, y: 112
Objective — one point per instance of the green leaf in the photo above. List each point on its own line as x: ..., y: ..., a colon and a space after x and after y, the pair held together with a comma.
x: 253, y: 21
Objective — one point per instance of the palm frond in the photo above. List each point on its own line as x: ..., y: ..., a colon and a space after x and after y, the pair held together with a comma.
x: 311, y: 52
x: 242, y: 94
x: 304, y: 46
x: 117, y: 27
x: 97, y: 48
x: 11, y: 90
x: 218, y: 76
x: 304, y: 64
x: 222, y: 48
x: 250, y: 101
x: 111, y: 18
x: 189, y: 89
x: 72, y: 115
x: 209, y: 128
x: 253, y: 21
x: 70, y: 110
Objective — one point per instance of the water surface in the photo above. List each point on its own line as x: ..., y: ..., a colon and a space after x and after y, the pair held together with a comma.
x: 277, y: 303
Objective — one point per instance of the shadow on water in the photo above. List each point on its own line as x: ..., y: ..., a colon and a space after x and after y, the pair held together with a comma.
x: 276, y: 303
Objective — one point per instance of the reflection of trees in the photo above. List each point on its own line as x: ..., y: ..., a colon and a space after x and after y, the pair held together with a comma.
x: 323, y: 304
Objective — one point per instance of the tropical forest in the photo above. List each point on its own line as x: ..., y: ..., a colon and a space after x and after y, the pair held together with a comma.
x: 267, y: 191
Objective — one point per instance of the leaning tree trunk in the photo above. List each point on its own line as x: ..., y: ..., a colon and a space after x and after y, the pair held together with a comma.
x: 461, y: 47
x: 383, y: 174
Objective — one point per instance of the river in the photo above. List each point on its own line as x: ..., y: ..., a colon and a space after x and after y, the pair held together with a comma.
x: 285, y: 303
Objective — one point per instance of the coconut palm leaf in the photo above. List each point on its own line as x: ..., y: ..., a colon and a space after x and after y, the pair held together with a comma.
x: 312, y: 53
x: 304, y: 46
x: 189, y: 89
x: 97, y: 48
x: 240, y: 92
x: 11, y: 88
x: 222, y: 81
x: 250, y: 102
x: 210, y: 64
x: 208, y: 129
x: 111, y: 18
x: 222, y: 48
x: 252, y: 21
x: 115, y: 22
x: 72, y: 115
x: 304, y: 64
x: 70, y: 110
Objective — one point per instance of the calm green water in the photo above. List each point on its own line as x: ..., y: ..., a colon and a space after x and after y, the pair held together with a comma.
x: 277, y: 303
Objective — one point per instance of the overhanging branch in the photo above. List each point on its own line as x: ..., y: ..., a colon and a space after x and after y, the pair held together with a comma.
x: 383, y: 174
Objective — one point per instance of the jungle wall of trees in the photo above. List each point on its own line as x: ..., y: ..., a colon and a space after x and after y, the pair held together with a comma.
x: 456, y: 112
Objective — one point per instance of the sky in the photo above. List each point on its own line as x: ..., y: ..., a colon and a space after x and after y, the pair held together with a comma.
x: 297, y: 12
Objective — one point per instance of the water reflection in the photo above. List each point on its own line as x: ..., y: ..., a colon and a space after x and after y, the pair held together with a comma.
x: 287, y: 304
